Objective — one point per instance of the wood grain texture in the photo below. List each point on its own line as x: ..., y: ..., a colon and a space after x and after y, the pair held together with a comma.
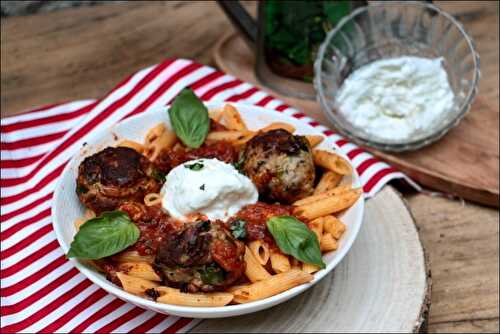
x: 44, y: 59
x: 368, y: 291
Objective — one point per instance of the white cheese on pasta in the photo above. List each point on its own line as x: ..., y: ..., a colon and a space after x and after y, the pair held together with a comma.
x: 207, y: 186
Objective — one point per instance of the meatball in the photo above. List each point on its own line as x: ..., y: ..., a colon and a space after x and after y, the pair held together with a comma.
x: 113, y: 176
x: 203, y: 256
x: 280, y: 165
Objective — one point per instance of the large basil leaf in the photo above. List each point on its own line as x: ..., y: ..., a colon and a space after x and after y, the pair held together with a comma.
x: 103, y: 236
x: 189, y: 118
x: 294, y: 238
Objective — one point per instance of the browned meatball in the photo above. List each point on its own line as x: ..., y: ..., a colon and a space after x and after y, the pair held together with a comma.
x: 280, y: 165
x: 203, y: 256
x: 113, y: 176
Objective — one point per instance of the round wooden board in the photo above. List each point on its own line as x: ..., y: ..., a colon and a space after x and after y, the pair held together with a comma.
x: 450, y: 165
x: 382, y: 285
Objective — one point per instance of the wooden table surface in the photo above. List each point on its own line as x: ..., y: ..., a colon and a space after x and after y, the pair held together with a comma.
x: 83, y: 52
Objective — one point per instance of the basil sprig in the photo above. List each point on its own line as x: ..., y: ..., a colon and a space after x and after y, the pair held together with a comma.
x: 103, y: 236
x: 294, y: 238
x: 189, y: 118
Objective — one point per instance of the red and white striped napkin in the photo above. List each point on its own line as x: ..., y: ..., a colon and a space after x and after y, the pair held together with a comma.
x: 41, y: 291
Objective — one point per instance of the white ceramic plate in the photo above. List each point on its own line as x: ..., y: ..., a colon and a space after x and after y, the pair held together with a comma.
x: 66, y: 207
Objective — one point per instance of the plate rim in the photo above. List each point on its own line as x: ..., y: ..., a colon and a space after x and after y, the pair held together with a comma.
x: 193, y: 311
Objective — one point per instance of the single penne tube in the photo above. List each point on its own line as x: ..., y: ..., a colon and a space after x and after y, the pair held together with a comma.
x: 135, y: 285
x: 246, y: 137
x: 278, y: 125
x: 131, y: 144
x: 156, y: 143
x: 132, y: 256
x: 271, y: 286
x: 314, y: 198
x: 215, y: 114
x: 233, y: 118
x: 334, y: 226
x: 328, y: 181
x: 327, y: 243
x: 309, y: 268
x: 152, y: 199
x: 328, y: 205
x: 314, y: 140
x: 176, y: 297
x: 236, y: 287
x: 332, y: 161
x: 316, y: 226
x: 230, y: 135
x: 139, y: 269
x: 254, y: 270
x: 279, y: 262
x: 260, y: 250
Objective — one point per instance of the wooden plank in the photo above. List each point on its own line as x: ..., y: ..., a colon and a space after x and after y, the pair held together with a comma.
x: 469, y: 326
x: 462, y: 244
x: 82, y: 53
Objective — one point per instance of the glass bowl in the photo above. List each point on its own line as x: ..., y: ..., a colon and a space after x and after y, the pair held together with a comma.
x: 389, y: 30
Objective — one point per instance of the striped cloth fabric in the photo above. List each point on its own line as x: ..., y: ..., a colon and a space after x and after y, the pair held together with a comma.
x: 41, y: 291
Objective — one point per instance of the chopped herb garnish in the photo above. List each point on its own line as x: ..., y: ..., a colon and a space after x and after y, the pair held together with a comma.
x: 211, y: 274
x: 202, y: 187
x: 195, y: 166
x: 158, y: 176
x: 237, y: 228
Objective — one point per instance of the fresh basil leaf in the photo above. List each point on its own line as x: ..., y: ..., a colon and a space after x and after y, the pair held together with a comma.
x: 294, y: 238
x: 195, y: 166
x: 237, y: 228
x: 189, y: 118
x: 211, y: 274
x: 103, y: 236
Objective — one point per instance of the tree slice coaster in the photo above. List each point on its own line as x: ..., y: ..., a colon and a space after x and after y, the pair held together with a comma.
x: 464, y: 162
x: 382, y: 285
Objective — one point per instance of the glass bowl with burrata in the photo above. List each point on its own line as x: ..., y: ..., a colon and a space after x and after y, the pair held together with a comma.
x: 396, y: 76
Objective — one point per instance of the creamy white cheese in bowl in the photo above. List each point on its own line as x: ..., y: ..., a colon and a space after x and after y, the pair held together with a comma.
x: 396, y: 76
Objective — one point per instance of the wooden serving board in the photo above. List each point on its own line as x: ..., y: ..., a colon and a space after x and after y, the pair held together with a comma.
x: 382, y: 285
x: 465, y: 162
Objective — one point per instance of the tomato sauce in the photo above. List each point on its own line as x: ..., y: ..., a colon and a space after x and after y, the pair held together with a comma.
x: 256, y: 216
x: 221, y: 150
x: 154, y: 225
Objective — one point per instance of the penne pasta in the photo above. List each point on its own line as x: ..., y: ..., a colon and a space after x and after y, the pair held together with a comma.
x: 278, y: 125
x: 131, y: 144
x: 229, y: 136
x: 314, y: 198
x: 176, y: 297
x: 317, y: 227
x: 132, y: 256
x: 158, y: 139
x: 139, y: 269
x: 260, y: 250
x: 327, y: 243
x: 309, y: 268
x: 152, y: 199
x: 280, y: 262
x: 254, y: 270
x: 271, y: 286
x: 233, y: 118
x: 328, y: 181
x: 332, y: 161
x: 328, y: 205
x: 215, y: 114
x: 334, y: 226
x: 314, y: 140
x: 135, y: 285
